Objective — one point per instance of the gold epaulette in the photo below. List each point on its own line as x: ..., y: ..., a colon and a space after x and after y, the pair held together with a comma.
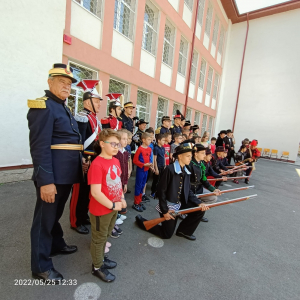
x: 37, y: 103
x: 157, y: 131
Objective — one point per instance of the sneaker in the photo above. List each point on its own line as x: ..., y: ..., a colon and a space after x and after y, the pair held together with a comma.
x: 118, y: 229
x: 143, y: 206
x: 114, y: 234
x: 123, y: 211
x: 137, y: 208
x: 145, y: 198
x: 108, y: 244
x: 122, y: 218
x: 103, y: 274
x: 109, y: 264
x: 119, y: 222
x: 152, y: 195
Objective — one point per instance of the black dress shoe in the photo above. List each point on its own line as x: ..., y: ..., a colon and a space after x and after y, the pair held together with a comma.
x: 87, y: 222
x: 81, y: 229
x: 51, y: 276
x: 109, y: 264
x: 189, y: 237
x: 203, y: 219
x: 103, y: 274
x: 65, y: 250
x: 140, y: 221
x: 246, y: 181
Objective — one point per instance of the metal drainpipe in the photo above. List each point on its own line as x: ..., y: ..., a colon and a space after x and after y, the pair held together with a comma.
x: 242, y: 66
x: 191, y: 61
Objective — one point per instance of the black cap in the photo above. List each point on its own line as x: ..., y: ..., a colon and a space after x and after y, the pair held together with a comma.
x: 223, y: 131
x: 220, y: 149
x: 140, y: 122
x: 184, y: 147
x: 208, y: 151
x: 165, y: 118
x: 199, y: 147
x: 187, y: 123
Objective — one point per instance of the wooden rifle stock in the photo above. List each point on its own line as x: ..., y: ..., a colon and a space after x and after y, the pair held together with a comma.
x: 221, y: 179
x: 151, y: 223
x: 226, y: 191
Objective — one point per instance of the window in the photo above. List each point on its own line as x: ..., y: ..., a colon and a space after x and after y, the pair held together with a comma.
x: 200, y: 11
x: 162, y: 110
x: 188, y: 114
x: 189, y: 3
x: 209, y: 80
x: 150, y: 28
x: 75, y: 99
x: 176, y: 106
x: 202, y: 74
x: 208, y: 19
x: 94, y: 6
x: 143, y: 105
x: 216, y: 30
x: 183, y: 51
x: 116, y: 86
x: 203, y: 127
x: 124, y: 17
x: 197, y: 118
x: 169, y: 40
x: 210, y: 125
x: 194, y: 67
x: 221, y: 40
x: 216, y: 86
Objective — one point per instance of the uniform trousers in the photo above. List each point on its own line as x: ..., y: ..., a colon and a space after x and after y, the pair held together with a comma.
x: 46, y: 232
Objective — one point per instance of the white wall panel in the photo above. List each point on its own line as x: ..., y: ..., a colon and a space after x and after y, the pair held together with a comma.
x: 191, y: 90
x: 206, y: 41
x: 180, y: 83
x: 166, y: 74
x: 187, y: 15
x: 147, y: 64
x: 199, y: 95
x: 122, y: 48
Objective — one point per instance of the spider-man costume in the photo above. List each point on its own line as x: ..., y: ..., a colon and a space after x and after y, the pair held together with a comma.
x: 141, y: 157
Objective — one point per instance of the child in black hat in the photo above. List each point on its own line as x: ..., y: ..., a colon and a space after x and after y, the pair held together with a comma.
x: 174, y: 193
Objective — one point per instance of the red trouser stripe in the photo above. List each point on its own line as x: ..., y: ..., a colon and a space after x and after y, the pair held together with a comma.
x: 73, y: 204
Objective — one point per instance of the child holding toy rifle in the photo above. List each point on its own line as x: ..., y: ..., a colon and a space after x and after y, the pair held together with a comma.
x: 174, y: 192
x: 199, y: 183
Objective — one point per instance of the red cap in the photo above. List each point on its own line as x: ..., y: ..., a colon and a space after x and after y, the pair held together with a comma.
x: 253, y: 143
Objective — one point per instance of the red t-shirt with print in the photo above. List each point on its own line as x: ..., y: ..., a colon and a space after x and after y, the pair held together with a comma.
x: 106, y: 172
x: 167, y: 153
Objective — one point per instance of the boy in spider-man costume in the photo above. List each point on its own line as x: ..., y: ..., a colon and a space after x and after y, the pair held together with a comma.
x: 143, y: 160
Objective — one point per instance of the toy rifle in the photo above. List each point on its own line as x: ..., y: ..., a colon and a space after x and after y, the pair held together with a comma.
x: 151, y: 223
x: 221, y: 179
x: 226, y: 191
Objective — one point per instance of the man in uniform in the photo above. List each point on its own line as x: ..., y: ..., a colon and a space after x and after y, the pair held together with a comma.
x: 176, y: 128
x: 165, y: 127
x: 229, y: 145
x: 137, y: 138
x: 220, y: 140
x: 187, y: 125
x: 113, y: 121
x: 126, y: 116
x: 55, y: 146
x: 89, y: 128
x: 195, y: 129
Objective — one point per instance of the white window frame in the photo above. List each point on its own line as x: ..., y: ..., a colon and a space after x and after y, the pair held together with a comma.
x: 182, y: 59
x: 200, y: 14
x: 221, y: 40
x: 150, y: 30
x: 160, y: 113
x: 188, y: 114
x: 209, y: 80
x: 210, y: 124
x: 99, y: 4
x: 197, y: 118
x: 216, y: 86
x: 174, y: 109
x: 215, y: 30
x: 170, y: 43
x: 202, y: 74
x: 143, y: 109
x: 208, y: 21
x: 203, y: 128
x: 117, y: 17
x: 194, y: 66
x: 77, y: 92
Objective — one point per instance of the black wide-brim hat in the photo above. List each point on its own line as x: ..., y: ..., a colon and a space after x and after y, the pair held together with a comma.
x: 187, y: 123
x: 140, y: 122
x: 199, y: 147
x: 62, y: 70
x: 183, y: 148
x: 223, y: 131
x: 194, y: 127
x: 208, y: 151
x: 220, y: 149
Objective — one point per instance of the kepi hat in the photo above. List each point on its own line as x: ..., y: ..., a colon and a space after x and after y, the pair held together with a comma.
x: 165, y: 118
x: 129, y: 104
x: 62, y: 70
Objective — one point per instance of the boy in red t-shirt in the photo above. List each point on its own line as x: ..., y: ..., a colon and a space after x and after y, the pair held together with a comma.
x: 143, y: 160
x: 106, y: 199
x: 213, y: 145
x: 168, y: 139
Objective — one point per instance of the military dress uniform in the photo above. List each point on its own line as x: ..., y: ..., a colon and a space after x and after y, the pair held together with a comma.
x: 55, y: 146
x: 175, y: 129
x: 88, y: 124
x: 162, y: 130
x: 111, y: 122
